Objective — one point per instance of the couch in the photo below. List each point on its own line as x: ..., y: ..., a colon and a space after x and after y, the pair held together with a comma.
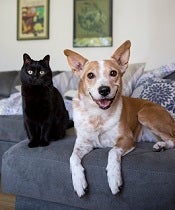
x: 41, y: 179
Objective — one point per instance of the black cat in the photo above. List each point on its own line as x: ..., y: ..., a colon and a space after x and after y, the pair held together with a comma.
x: 44, y: 112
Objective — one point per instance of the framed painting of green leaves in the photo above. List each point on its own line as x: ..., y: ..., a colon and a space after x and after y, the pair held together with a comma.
x: 92, y: 23
x: 32, y: 19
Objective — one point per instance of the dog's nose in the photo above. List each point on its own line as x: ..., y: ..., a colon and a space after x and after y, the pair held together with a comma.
x: 104, y: 90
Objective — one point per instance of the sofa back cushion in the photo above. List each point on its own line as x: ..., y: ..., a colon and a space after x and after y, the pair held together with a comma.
x: 7, y: 79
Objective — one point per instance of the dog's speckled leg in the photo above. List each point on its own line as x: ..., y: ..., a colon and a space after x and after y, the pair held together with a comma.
x: 78, y: 176
x: 114, y: 169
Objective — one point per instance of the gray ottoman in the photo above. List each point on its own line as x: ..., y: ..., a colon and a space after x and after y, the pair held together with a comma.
x: 41, y: 178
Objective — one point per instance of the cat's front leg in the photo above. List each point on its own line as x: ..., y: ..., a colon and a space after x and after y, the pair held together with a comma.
x: 44, y: 143
x: 33, y: 143
x: 44, y: 136
x: 32, y: 134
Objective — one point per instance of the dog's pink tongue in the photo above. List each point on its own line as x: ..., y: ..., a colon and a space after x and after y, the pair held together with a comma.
x: 104, y: 103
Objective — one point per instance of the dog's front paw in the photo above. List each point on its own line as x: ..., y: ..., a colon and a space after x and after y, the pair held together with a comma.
x: 114, y: 170
x: 114, y: 179
x: 79, y: 181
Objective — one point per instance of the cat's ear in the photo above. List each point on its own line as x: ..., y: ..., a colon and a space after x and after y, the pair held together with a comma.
x: 46, y: 60
x: 27, y: 59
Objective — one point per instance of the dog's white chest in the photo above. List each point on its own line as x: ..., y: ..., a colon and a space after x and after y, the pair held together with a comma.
x: 97, y: 127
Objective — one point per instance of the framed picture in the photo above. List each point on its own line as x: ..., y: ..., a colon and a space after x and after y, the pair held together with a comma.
x: 32, y: 19
x: 92, y: 23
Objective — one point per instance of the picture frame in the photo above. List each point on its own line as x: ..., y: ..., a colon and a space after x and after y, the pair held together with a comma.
x: 92, y: 23
x: 32, y: 19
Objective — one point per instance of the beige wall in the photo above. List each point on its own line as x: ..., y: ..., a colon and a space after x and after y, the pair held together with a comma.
x: 149, y: 24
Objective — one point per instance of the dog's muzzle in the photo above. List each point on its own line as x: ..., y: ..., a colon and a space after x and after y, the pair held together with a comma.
x: 105, y: 102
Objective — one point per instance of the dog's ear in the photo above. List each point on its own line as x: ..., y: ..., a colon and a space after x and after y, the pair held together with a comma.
x: 121, y: 55
x: 75, y: 61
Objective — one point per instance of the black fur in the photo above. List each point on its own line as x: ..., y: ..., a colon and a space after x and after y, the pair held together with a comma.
x: 44, y: 112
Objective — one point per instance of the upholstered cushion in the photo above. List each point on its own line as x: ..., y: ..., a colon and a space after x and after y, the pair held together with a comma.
x: 12, y: 128
x: 6, y: 82
x: 44, y: 174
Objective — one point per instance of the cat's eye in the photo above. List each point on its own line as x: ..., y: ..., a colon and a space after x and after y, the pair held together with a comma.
x: 30, y: 72
x: 41, y: 72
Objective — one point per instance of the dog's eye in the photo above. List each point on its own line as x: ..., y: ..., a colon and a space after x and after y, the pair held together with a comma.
x: 113, y: 73
x: 90, y: 75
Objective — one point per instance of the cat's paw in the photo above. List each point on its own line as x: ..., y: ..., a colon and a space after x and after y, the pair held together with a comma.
x: 61, y: 134
x: 44, y: 143
x: 33, y: 144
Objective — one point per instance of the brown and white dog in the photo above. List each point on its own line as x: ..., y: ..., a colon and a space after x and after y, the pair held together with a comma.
x: 105, y: 118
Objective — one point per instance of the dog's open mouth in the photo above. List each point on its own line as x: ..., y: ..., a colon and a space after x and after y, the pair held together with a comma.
x: 104, y: 103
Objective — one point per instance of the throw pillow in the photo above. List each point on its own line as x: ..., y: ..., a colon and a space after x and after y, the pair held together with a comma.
x: 132, y: 74
x: 160, y: 72
x: 160, y: 91
x: 65, y: 81
x: 132, y: 68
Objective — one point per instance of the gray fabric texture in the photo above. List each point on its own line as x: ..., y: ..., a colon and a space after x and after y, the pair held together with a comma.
x: 11, y: 132
x: 4, y: 146
x: 170, y: 76
x: 12, y: 128
x: 44, y: 174
x: 23, y: 203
